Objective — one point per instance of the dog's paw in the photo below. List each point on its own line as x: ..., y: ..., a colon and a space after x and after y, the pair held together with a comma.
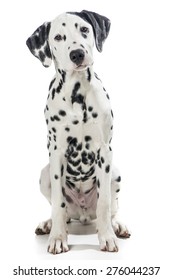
x: 44, y: 227
x: 108, y: 241
x: 57, y: 245
x: 120, y: 229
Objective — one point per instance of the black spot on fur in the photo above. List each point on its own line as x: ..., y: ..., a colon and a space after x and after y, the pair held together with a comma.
x: 47, y: 121
x: 118, y: 179
x: 71, y: 171
x: 67, y: 129
x: 63, y: 24
x: 98, y: 183
x: 64, y: 38
x: 88, y: 138
x: 59, y: 86
x: 75, y: 122
x: 62, y: 170
x: 56, y: 177
x: 62, y: 204
x: 87, y: 146
x: 89, y: 75
x: 107, y: 169
x: 102, y: 160
x: 117, y: 190
x: 112, y: 114
x: 51, y: 83
x: 90, y: 108
x: 94, y: 115
x: 79, y: 147
x: 76, y: 25
x: 62, y: 113
x: 53, y: 93
x: 99, y: 164
x: 84, y: 35
x: 78, y: 98
x: 53, y: 129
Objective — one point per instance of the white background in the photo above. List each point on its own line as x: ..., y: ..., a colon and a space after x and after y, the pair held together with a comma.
x: 136, y: 67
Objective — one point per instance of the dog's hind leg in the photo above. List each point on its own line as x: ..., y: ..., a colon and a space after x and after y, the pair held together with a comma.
x: 119, y: 228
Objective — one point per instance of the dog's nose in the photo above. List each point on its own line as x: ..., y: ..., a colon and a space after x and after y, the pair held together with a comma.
x: 77, y: 56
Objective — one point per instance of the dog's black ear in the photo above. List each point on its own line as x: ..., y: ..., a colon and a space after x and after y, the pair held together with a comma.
x: 100, y: 24
x: 38, y: 44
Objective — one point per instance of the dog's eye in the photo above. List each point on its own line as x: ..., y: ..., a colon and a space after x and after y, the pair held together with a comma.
x: 58, y: 37
x: 84, y: 29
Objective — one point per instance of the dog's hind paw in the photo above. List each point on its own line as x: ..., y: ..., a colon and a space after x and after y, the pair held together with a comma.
x: 44, y: 227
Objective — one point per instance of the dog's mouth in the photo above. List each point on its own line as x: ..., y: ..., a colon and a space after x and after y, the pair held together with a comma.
x: 82, y: 67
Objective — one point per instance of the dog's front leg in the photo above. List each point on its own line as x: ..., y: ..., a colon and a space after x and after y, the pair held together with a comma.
x: 106, y: 235
x: 58, y: 234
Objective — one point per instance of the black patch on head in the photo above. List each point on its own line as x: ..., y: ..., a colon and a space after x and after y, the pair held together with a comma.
x: 38, y: 40
x: 84, y: 36
x: 62, y: 113
x: 56, y: 177
x: 62, y: 204
x: 76, y: 25
x: 99, y: 23
x: 82, y: 46
x: 107, y: 169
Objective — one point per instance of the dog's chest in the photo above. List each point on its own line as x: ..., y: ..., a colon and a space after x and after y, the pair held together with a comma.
x: 79, y: 120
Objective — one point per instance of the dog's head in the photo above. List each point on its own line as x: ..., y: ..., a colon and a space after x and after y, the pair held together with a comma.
x: 69, y: 40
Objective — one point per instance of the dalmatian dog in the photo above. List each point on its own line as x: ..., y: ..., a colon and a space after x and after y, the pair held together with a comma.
x: 79, y: 182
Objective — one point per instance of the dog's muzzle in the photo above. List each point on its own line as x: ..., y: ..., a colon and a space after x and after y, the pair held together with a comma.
x: 77, y: 56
